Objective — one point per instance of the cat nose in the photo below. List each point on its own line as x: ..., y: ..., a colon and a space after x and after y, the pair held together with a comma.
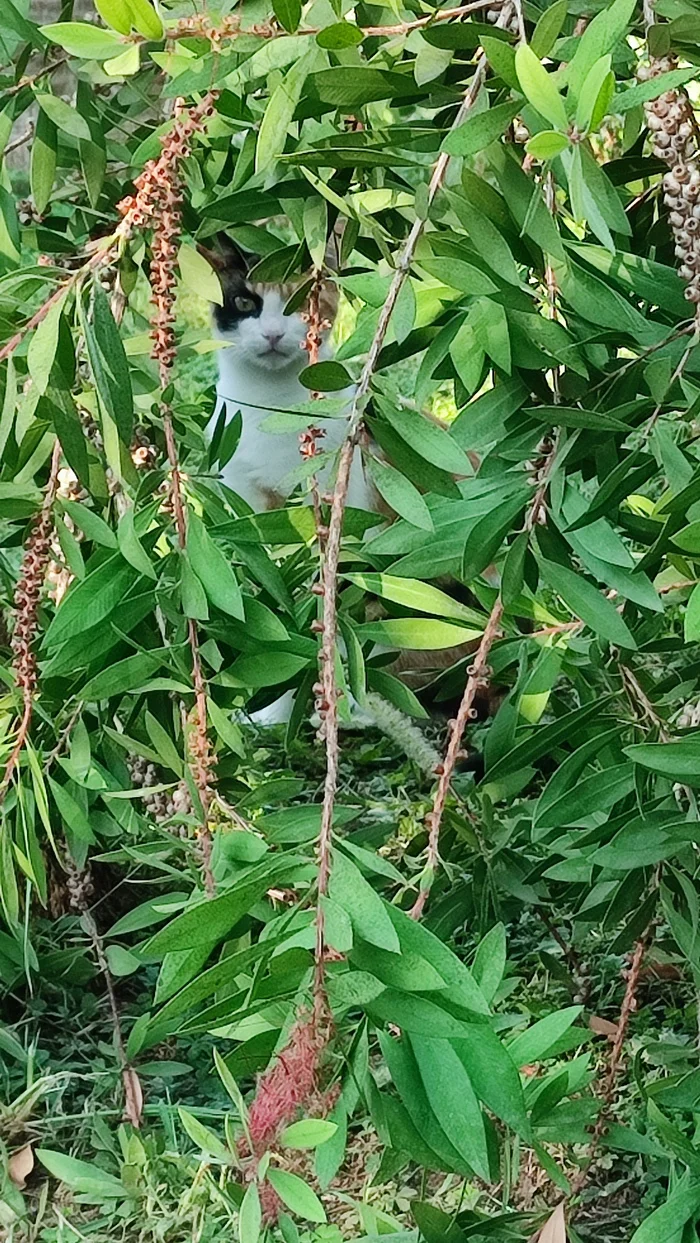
x: 274, y: 338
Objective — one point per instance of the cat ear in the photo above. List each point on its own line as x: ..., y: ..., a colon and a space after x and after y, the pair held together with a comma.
x: 226, y: 258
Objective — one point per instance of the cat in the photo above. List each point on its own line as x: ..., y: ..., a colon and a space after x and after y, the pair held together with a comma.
x: 259, y: 374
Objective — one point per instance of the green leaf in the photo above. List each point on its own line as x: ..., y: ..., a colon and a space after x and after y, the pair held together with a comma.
x: 679, y: 761
x: 667, y: 1222
x: 126, y: 675
x: 82, y: 1176
x: 198, y: 275
x: 542, y: 740
x: 691, y: 621
x: 130, y: 546
x: 90, y: 523
x: 63, y: 116
x: 81, y: 39
x: 109, y: 364
x: 116, y: 13
x: 71, y: 812
x: 494, y: 1076
x: 453, y: 1100
x: 548, y: 28
x: 513, y: 574
x: 339, y: 35
x: 297, y: 1195
x: 480, y: 130
x: 326, y: 377
x: 213, y: 570
x: 352, y: 989
x: 202, y: 1136
x: 487, y: 535
x: 403, y: 1068
x: 189, y: 930
x: 406, y: 971
x: 280, y: 109
x: 228, y: 731
x: 250, y: 1216
x: 43, y: 162
x: 490, y: 961
x: 413, y: 594
x: 416, y: 633
x: 459, y: 274
x: 288, y: 14
x: 146, y: 20
x: 539, y: 87
x: 398, y: 492
x: 267, y: 668
x: 308, y: 1133
x: 642, y: 92
x: 533, y: 1045
x: 43, y: 346
x: 546, y: 145
x: 587, y: 603
x: 600, y: 37
x: 588, y: 106
x: 368, y: 913
x: 428, y: 440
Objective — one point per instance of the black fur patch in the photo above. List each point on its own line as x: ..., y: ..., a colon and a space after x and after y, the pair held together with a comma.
x: 229, y: 314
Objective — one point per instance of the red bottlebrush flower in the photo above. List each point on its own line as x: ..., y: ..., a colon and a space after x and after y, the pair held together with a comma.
x: 270, y: 1203
x: 291, y: 1083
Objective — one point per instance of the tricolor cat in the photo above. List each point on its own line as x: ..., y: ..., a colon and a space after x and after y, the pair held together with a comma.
x: 258, y: 375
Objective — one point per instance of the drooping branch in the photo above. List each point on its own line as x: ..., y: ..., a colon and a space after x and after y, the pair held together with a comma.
x: 329, y: 582
x: 629, y: 1003
x: 159, y: 200
x: 35, y: 563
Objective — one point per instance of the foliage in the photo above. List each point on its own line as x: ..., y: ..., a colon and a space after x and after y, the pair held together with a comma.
x: 434, y: 974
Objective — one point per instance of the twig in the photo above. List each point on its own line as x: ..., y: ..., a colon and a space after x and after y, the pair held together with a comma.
x: 479, y: 671
x: 30, y: 583
x: 230, y: 28
x: 159, y: 188
x: 629, y: 1003
x: 34, y: 77
x: 18, y: 142
x: 478, y: 678
x: 329, y: 723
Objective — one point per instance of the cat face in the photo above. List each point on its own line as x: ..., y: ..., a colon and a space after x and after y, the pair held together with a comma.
x: 252, y: 315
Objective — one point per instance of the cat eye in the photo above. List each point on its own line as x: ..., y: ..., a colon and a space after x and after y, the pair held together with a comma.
x: 244, y: 305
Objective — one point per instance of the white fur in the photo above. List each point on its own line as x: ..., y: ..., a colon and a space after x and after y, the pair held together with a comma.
x: 258, y: 374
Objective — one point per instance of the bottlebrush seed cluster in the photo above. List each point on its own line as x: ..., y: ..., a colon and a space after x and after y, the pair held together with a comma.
x: 670, y: 120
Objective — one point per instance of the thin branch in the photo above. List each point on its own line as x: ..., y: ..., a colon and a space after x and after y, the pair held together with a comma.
x: 18, y: 142
x: 31, y: 78
x: 478, y: 678
x: 230, y: 28
x: 330, y: 691
x: 629, y: 1005
x: 30, y: 583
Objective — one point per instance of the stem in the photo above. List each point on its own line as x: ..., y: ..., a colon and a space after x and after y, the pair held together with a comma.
x: 478, y: 677
x: 27, y: 682
x: 335, y: 528
x: 627, y: 1008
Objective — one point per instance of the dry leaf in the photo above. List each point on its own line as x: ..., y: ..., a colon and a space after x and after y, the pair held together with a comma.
x: 602, y: 1027
x: 20, y: 1165
x: 133, y: 1096
x: 554, y: 1229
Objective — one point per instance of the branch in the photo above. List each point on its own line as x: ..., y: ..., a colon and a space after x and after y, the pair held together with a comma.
x: 629, y: 1005
x: 230, y: 27
x: 329, y: 585
x: 30, y: 583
